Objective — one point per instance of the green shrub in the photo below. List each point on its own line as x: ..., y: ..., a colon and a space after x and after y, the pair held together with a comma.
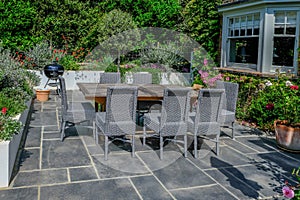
x: 69, y: 63
x: 261, y: 101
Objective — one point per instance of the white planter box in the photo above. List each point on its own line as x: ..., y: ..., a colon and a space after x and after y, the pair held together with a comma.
x: 9, y: 150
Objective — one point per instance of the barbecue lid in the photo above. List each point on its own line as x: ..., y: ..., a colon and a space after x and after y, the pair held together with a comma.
x: 53, y: 70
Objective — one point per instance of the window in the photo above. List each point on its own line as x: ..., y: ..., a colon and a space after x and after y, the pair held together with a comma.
x: 243, y: 35
x: 284, y: 37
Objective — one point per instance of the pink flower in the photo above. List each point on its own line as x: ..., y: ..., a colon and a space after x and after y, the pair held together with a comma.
x: 288, y: 192
x: 227, y: 78
x: 294, y: 87
x: 4, y: 110
x: 205, y: 62
x: 270, y: 106
x: 203, y: 74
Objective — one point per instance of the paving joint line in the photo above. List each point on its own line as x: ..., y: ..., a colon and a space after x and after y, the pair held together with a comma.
x: 213, y: 179
x: 166, y: 189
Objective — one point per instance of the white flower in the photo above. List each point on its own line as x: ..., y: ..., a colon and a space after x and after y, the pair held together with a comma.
x: 288, y: 83
x: 268, y: 83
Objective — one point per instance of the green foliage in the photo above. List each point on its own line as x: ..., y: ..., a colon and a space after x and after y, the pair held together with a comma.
x: 276, y: 101
x: 261, y: 103
x: 117, y: 34
x: 65, y: 22
x: 17, y: 21
x: 202, y: 23
x: 15, y: 83
x: 154, y: 13
x: 69, y: 63
x: 38, y: 56
x: 15, y: 88
x: 162, y: 54
x: 8, y: 127
x: 75, y: 24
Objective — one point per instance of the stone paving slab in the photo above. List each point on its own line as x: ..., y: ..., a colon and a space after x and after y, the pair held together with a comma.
x: 20, y: 193
x: 34, y: 178
x: 207, y: 192
x: 30, y: 159
x: 70, y: 153
x: 150, y: 188
x: 105, y: 189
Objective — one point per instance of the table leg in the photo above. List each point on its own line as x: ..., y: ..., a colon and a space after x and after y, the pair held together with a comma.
x: 96, y: 106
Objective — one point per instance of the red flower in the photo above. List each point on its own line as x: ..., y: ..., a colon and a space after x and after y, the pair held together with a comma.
x: 294, y: 87
x: 270, y: 106
x: 4, y: 110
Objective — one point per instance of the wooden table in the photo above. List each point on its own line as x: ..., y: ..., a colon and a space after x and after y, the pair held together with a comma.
x: 150, y: 92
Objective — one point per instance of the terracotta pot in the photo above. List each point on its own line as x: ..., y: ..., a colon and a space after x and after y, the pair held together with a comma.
x: 42, y: 95
x: 287, y: 137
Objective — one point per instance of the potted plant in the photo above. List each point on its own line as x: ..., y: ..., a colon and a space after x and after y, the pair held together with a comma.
x: 275, y: 106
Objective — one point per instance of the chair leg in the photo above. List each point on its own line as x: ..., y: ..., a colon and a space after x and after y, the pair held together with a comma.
x: 105, y: 147
x: 217, y: 146
x: 96, y: 134
x: 144, y: 135
x: 195, y: 146
x: 232, y: 133
x: 62, y: 130
x: 185, y: 145
x: 161, y: 146
x: 94, y: 130
x: 132, y: 146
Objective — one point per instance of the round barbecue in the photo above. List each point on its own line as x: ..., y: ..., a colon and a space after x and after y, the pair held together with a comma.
x: 52, y: 71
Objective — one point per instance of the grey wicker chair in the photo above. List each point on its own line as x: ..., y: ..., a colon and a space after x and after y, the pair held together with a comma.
x: 74, y: 113
x: 110, y: 77
x: 142, y: 78
x: 142, y: 106
x: 119, y: 117
x: 205, y: 121
x: 172, y: 120
x: 229, y: 104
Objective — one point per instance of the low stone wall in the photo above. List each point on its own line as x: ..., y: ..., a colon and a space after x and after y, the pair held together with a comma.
x: 72, y: 77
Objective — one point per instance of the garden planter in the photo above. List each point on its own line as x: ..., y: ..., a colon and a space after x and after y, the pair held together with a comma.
x: 10, y: 150
x: 42, y: 95
x: 287, y: 137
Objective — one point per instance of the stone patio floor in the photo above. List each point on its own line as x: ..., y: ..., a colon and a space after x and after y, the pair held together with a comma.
x: 250, y: 167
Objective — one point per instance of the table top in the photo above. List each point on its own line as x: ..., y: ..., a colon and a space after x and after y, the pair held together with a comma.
x: 97, y: 90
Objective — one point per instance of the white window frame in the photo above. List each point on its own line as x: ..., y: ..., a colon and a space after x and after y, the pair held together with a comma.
x: 296, y: 45
x: 226, y: 35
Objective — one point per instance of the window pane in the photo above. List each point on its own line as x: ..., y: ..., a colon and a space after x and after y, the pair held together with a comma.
x: 256, y: 31
x: 236, y: 22
x: 283, y: 53
x: 291, y: 17
x: 256, y: 19
x: 243, y: 50
x: 236, y: 33
x: 291, y: 31
x: 279, y: 31
x: 279, y: 17
x: 243, y: 21
x: 249, y: 20
x: 243, y: 32
x: 249, y: 32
